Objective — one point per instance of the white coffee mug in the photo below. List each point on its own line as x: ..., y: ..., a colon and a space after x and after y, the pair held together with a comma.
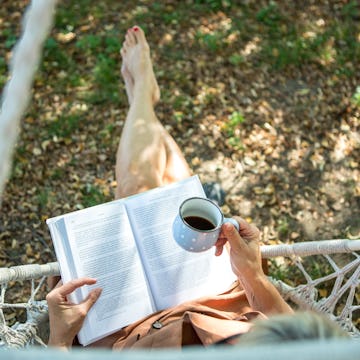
x: 198, y: 223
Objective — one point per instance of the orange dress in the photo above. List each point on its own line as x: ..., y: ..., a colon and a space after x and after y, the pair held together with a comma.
x: 203, y: 321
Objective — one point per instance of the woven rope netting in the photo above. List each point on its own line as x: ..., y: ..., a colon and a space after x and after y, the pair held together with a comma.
x: 334, y: 293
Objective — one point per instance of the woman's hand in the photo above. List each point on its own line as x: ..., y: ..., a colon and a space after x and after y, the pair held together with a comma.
x: 66, y: 318
x: 245, y: 260
x: 244, y: 248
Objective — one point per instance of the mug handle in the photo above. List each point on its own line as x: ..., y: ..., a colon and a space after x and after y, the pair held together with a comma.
x: 232, y: 221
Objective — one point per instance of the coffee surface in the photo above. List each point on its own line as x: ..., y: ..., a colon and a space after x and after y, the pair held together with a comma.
x: 199, y: 223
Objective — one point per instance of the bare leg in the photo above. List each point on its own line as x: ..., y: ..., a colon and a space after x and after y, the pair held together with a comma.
x: 147, y: 156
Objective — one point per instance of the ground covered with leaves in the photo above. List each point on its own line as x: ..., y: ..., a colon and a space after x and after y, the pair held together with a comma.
x: 262, y: 96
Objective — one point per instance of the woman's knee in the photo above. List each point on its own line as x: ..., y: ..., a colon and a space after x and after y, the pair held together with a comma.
x: 131, y: 185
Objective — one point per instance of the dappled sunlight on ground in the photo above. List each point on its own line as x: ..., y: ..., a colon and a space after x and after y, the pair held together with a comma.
x: 260, y: 96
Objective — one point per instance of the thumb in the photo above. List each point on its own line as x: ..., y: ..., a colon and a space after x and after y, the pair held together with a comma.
x: 91, y: 299
x: 248, y: 232
x: 233, y: 237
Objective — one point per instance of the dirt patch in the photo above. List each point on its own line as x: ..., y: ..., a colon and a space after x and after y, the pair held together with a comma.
x: 282, y: 139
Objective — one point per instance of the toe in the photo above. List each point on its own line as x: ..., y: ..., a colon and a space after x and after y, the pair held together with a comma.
x: 131, y: 38
x: 139, y: 34
x: 123, y: 52
x: 127, y: 42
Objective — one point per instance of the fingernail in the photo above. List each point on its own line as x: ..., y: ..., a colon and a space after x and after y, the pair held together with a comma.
x: 98, y: 291
x: 229, y: 228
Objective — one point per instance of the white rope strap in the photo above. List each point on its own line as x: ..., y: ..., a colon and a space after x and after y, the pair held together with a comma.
x: 26, y: 272
x: 308, y: 248
x: 16, y: 95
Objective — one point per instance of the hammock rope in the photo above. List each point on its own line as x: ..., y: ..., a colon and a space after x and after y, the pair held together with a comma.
x: 305, y: 296
x: 25, y: 60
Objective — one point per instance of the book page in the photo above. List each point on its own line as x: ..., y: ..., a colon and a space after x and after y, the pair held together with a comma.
x: 62, y: 249
x: 175, y: 275
x: 103, y: 247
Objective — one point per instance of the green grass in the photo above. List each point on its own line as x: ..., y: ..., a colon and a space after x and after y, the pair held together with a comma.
x: 234, y: 121
x: 280, y: 271
x: 271, y: 16
x: 283, y: 227
x: 105, y: 75
x: 289, y: 273
x: 236, y: 59
x: 100, y: 77
x: 64, y: 126
x: 92, y: 195
x: 285, y: 44
x: 230, y: 127
x: 282, y: 44
x: 356, y: 97
x: 69, y: 15
x: 108, y: 130
x: 55, y: 55
x: 89, y: 43
x: 43, y: 198
x: 10, y: 38
x: 57, y: 174
x: 3, y: 72
x: 214, y: 5
x: 213, y: 41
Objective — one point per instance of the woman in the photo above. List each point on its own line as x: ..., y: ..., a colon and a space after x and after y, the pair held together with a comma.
x: 148, y: 157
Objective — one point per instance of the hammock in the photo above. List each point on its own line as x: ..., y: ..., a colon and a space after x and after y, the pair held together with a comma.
x: 341, y: 304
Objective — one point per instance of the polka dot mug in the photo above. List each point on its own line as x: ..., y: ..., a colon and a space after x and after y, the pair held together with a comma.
x: 197, y: 226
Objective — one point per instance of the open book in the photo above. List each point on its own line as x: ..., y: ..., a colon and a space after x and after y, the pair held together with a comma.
x: 127, y: 245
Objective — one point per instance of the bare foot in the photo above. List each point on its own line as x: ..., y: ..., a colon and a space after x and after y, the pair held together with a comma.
x: 137, y: 69
x: 129, y: 81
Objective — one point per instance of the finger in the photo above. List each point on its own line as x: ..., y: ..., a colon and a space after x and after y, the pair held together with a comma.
x: 72, y: 285
x: 91, y: 299
x: 54, y: 293
x: 247, y: 231
x: 235, y: 240
x: 221, y: 241
x: 219, y: 250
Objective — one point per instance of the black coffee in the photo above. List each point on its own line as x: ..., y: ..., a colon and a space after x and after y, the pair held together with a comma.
x: 199, y: 223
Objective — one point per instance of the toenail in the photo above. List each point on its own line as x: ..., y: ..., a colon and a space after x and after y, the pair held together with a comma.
x: 135, y: 28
